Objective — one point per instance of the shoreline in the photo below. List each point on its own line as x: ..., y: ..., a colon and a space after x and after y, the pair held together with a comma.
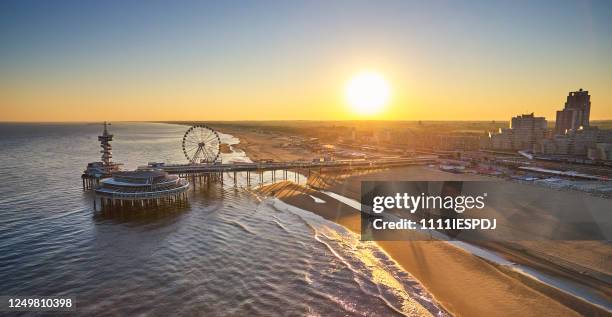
x: 461, y: 282
x: 465, y: 275
x: 575, y: 288
x: 577, y: 274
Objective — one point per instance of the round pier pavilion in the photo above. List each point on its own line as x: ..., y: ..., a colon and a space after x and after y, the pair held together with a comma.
x: 142, y: 188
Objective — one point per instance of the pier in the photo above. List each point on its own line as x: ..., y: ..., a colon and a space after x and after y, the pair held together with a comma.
x: 216, y: 171
x: 159, y: 184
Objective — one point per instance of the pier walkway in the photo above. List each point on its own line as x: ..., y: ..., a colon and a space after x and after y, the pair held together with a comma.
x: 216, y: 170
x: 268, y: 166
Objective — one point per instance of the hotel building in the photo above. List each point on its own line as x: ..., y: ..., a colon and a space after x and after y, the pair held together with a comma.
x: 576, y: 112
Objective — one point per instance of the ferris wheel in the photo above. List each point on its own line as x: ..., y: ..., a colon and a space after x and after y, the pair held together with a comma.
x: 201, y: 144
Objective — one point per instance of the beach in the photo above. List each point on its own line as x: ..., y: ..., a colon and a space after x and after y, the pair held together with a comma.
x: 265, y: 145
x: 465, y: 284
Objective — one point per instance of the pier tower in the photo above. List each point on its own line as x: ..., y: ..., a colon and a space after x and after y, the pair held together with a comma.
x: 96, y: 171
x: 107, y: 149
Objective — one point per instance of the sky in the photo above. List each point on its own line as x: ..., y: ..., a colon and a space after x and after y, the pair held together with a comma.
x: 291, y: 60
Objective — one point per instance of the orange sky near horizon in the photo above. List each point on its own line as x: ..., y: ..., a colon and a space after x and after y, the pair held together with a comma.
x: 268, y: 60
x: 302, y: 99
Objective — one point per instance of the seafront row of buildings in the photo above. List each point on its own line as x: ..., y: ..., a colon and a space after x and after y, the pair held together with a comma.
x: 572, y: 136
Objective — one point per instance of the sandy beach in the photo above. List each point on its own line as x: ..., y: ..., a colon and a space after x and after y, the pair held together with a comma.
x: 585, y: 262
x: 265, y: 145
x: 466, y: 285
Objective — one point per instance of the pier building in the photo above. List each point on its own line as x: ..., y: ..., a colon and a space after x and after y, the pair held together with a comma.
x: 141, y: 188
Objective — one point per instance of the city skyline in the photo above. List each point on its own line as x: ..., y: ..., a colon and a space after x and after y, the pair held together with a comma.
x: 131, y: 61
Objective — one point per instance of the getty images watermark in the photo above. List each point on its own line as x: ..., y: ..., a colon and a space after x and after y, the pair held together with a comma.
x: 479, y: 210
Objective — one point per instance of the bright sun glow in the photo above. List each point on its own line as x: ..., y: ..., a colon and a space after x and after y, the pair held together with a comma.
x: 367, y: 93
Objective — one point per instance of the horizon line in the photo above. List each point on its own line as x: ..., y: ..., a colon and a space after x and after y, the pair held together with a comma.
x: 279, y: 120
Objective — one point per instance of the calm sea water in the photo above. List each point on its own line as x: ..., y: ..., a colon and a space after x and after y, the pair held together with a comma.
x: 230, y: 252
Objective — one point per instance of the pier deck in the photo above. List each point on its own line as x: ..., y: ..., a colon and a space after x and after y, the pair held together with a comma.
x: 185, y: 169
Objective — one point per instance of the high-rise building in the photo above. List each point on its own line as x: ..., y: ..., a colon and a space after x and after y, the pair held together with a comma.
x: 524, y: 133
x: 573, y: 135
x: 576, y: 112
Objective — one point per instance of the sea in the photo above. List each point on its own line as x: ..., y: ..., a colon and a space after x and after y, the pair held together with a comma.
x: 229, y: 252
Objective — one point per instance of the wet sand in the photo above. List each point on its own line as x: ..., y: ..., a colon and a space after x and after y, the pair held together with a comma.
x: 585, y: 262
x: 464, y: 284
x: 578, y: 256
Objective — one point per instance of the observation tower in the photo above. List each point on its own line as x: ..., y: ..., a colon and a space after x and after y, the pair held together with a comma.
x: 107, y: 149
x: 96, y: 171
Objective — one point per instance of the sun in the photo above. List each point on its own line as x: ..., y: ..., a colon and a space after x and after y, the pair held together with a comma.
x: 367, y: 93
